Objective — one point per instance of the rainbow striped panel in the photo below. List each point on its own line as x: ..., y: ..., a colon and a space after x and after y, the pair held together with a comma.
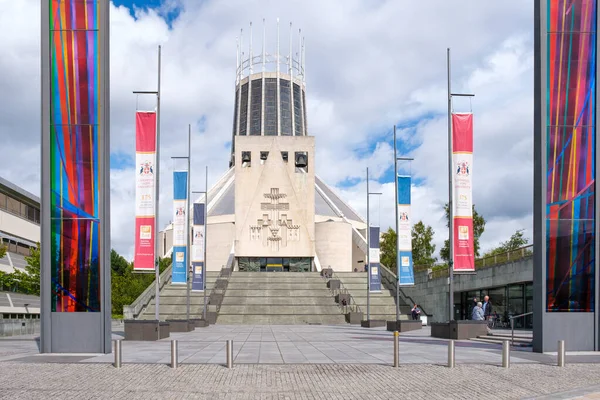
x: 74, y: 155
x: 571, y: 142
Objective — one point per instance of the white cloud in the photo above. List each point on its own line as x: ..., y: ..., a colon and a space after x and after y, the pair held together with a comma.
x: 369, y: 65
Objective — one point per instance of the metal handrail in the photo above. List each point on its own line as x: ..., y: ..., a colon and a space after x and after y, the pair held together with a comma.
x: 342, y: 289
x: 388, y: 271
x: 512, y: 325
x: 135, y: 309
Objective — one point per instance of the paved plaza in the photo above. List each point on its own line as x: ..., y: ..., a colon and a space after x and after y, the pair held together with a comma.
x: 294, y: 362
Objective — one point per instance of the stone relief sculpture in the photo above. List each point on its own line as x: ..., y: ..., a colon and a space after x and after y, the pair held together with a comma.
x: 275, y: 230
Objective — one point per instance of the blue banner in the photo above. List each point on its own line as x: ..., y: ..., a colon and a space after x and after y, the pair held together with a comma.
x: 180, y: 235
x: 198, y: 242
x: 404, y: 263
x: 374, y: 267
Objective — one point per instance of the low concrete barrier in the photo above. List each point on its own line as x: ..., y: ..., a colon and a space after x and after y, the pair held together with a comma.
x: 15, y: 327
x: 458, y: 330
x: 146, y: 330
x: 404, y: 325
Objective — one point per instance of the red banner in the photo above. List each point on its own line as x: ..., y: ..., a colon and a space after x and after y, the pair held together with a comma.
x: 462, y: 202
x: 145, y: 191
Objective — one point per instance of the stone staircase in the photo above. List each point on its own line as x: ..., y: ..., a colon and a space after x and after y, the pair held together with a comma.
x: 278, y: 298
x: 383, y: 305
x: 173, y: 301
x: 521, y: 339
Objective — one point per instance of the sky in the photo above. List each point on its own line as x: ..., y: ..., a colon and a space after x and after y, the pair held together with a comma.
x: 370, y: 65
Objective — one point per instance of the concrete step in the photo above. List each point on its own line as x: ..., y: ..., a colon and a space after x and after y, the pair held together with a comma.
x: 164, y: 317
x: 276, y: 275
x: 225, y: 319
x: 278, y: 293
x: 179, y: 301
x: 278, y: 279
x: 276, y: 286
x: 484, y: 339
x: 281, y: 300
x: 279, y: 309
x: 170, y: 309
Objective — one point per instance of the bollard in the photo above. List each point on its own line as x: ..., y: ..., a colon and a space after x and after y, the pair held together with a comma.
x: 451, y: 359
x: 505, y: 354
x: 230, y: 354
x: 561, y: 353
x: 396, y: 348
x: 174, y: 354
x: 117, y: 363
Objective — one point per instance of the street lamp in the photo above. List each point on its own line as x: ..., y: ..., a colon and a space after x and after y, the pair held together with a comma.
x: 396, y: 159
x: 369, y: 250
x: 157, y: 191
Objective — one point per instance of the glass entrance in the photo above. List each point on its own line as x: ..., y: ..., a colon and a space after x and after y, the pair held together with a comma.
x: 275, y: 264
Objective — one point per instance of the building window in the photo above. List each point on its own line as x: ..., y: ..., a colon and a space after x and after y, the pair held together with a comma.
x: 270, y: 106
x: 2, y: 201
x: 256, y: 108
x: 235, y: 112
x: 246, y: 159
x: 286, y: 110
x: 244, y: 110
x: 13, y: 206
x: 297, y: 111
x: 284, y: 156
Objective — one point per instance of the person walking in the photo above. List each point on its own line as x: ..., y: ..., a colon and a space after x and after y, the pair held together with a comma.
x: 487, y: 312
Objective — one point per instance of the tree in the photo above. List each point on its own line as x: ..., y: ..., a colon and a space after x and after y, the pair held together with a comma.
x: 478, y: 229
x: 516, y: 241
x: 118, y: 263
x: 33, y: 269
x: 422, y: 246
x: 2, y: 251
x: 388, y: 249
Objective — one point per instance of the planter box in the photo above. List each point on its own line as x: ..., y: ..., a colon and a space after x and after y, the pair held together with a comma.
x: 146, y: 330
x: 211, y: 317
x: 354, y: 318
x: 327, y: 272
x: 215, y: 298
x: 404, y: 325
x: 181, y: 325
x: 339, y: 298
x: 333, y: 284
x: 199, y: 323
x: 458, y: 330
x: 373, y: 323
x: 221, y: 284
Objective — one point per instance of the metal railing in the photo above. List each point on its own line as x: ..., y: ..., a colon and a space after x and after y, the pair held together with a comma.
x: 135, y: 309
x: 512, y: 325
x: 391, y: 279
x: 352, y: 305
x: 441, y: 271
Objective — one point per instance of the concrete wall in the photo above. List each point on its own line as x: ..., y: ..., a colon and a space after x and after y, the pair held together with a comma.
x: 219, y: 241
x: 333, y: 245
x: 432, y: 294
x: 256, y: 213
x: 20, y: 227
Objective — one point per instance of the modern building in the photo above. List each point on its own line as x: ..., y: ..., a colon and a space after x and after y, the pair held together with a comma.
x: 270, y: 211
x: 19, y: 224
x: 565, y: 289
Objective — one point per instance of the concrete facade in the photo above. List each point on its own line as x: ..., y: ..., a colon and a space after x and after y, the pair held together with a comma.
x: 274, y: 202
x: 432, y: 294
x: 332, y: 239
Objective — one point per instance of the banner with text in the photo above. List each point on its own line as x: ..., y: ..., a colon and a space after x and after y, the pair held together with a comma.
x: 179, y: 271
x: 374, y: 267
x: 199, y: 231
x: 145, y: 191
x: 404, y: 262
x: 462, y: 202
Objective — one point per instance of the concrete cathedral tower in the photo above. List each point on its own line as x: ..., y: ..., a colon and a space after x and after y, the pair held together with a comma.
x: 270, y: 211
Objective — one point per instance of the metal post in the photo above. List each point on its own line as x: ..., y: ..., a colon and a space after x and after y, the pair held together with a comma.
x: 450, y: 195
x: 117, y: 363
x: 174, y: 354
x: 368, y: 255
x: 512, y: 328
x: 396, y: 348
x: 205, y: 241
x: 451, y: 354
x: 561, y: 353
x: 397, y: 233
x: 505, y: 354
x: 156, y: 195
x: 187, y: 224
x: 230, y: 354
